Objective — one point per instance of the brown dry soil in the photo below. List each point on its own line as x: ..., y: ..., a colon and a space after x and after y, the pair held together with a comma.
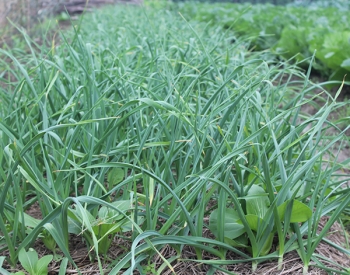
x: 291, y: 264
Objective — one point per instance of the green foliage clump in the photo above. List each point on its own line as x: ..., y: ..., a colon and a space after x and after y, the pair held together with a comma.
x: 292, y: 31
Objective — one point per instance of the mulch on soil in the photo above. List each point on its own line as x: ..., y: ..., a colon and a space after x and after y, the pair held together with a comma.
x: 184, y: 265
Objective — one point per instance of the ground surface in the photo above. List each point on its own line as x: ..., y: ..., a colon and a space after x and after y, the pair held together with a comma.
x: 291, y: 264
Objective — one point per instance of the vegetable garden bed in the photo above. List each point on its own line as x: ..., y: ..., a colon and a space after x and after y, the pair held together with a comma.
x: 147, y: 143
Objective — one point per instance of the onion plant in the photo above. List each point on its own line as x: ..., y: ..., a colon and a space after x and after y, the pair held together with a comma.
x: 140, y: 121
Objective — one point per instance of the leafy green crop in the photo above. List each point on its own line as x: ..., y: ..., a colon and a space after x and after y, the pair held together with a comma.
x: 30, y: 262
x: 291, y: 31
x: 258, y: 217
x: 108, y: 223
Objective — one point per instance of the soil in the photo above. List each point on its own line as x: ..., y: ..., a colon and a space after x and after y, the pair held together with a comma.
x: 185, y: 264
x: 342, y: 153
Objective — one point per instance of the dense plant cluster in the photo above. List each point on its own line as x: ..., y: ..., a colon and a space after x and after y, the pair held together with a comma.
x: 290, y: 31
x: 143, y: 126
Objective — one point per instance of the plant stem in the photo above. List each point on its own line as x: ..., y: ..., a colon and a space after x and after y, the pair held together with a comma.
x: 254, y: 265
x: 306, y: 269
